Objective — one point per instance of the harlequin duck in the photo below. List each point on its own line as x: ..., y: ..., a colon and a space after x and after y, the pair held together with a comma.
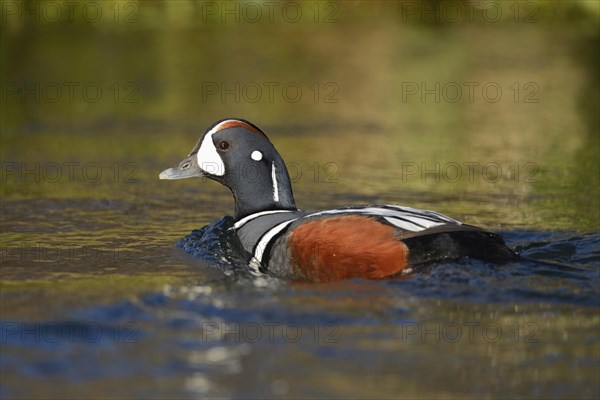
x: 353, y: 242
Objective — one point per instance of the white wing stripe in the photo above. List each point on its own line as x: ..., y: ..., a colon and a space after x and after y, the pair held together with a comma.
x: 424, y: 213
x: 422, y: 217
x: 406, y: 225
x: 424, y: 222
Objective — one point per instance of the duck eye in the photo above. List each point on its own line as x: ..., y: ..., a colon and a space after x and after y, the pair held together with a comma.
x: 224, y: 145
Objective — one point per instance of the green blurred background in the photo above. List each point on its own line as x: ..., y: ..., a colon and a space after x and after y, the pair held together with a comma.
x: 486, y: 111
x: 371, y: 94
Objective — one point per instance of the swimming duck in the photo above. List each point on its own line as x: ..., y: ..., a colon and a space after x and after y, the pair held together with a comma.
x: 370, y: 242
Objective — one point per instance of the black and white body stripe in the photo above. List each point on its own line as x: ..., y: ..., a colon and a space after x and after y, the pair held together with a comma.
x: 259, y: 231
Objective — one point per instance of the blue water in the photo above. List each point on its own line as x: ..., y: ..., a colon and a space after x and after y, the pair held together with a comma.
x: 467, y: 328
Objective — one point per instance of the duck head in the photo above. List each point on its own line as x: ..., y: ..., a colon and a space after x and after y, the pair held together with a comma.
x: 237, y: 154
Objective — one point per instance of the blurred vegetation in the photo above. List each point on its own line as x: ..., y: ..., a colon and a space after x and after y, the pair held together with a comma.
x: 147, y: 14
x: 130, y: 85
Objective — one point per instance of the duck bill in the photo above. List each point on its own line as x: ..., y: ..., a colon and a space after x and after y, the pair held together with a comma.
x: 186, y: 168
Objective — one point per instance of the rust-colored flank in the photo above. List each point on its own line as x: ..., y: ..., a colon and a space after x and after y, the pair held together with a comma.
x: 346, y: 247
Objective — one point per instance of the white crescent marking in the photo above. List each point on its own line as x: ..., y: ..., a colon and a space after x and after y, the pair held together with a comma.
x: 250, y: 217
x: 266, y: 238
x: 208, y: 159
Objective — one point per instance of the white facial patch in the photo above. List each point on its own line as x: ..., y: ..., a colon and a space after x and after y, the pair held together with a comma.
x: 208, y: 159
x: 256, y: 155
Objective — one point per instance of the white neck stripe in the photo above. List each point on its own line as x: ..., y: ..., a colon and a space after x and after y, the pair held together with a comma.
x: 274, y: 179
